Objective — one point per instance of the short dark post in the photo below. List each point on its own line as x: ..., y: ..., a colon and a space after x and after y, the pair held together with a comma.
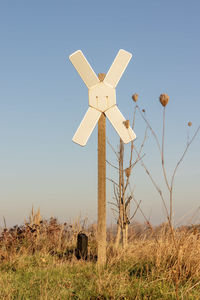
x: 82, y: 246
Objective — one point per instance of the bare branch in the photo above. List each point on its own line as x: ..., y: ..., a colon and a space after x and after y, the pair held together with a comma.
x: 4, y: 221
x: 141, y: 147
x: 185, y: 151
x: 113, y: 149
x: 112, y: 165
x: 162, y: 153
x: 152, y: 131
x: 155, y: 185
x: 111, y: 180
x: 114, y: 211
x: 128, y: 201
x: 136, y: 210
x: 147, y: 221
x: 134, y: 113
x: 112, y: 203
x: 137, y: 159
x: 115, y: 193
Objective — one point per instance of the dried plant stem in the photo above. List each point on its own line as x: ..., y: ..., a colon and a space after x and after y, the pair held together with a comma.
x: 134, y: 114
x: 191, y: 287
x: 181, y: 159
x: 147, y: 221
x: 149, y: 126
x: 161, y: 150
x: 120, y: 199
x: 162, y: 153
x: 189, y: 142
x: 113, y: 149
x: 4, y: 221
x: 154, y: 183
x: 163, y: 166
x: 131, y: 165
x: 137, y: 207
x: 112, y: 165
x: 111, y: 180
x: 123, y: 203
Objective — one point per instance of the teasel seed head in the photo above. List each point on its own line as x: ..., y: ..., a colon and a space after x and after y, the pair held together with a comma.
x: 128, y: 171
x: 135, y: 97
x: 164, y: 99
x: 127, y: 123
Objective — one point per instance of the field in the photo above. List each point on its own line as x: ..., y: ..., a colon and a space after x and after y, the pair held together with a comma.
x: 38, y: 261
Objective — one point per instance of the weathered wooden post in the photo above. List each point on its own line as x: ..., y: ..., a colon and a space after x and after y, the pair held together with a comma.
x: 101, y: 228
x: 102, y: 104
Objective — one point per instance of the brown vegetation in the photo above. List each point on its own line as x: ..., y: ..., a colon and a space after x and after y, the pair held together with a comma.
x: 151, y: 257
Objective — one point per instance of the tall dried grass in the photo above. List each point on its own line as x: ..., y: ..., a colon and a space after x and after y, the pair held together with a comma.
x: 150, y: 253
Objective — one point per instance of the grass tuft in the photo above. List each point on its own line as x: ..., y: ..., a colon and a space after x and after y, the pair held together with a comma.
x: 38, y: 262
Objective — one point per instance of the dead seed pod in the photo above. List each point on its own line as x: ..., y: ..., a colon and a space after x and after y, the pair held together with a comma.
x: 128, y: 171
x: 164, y: 99
x: 189, y: 124
x: 101, y: 76
x: 135, y: 97
x: 127, y: 123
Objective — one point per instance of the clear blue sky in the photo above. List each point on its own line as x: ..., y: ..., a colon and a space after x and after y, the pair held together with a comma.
x: 43, y: 99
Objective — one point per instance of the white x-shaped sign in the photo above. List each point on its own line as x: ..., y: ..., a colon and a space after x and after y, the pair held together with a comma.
x: 102, y: 97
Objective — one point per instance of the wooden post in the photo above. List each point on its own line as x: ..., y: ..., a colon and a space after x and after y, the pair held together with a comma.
x: 102, y: 186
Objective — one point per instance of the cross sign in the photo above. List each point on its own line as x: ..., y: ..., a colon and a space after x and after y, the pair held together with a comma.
x: 102, y: 97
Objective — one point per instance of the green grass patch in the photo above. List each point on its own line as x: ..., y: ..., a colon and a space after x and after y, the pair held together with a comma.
x: 46, y: 277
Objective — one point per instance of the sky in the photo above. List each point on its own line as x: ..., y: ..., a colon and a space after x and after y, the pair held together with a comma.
x: 43, y: 100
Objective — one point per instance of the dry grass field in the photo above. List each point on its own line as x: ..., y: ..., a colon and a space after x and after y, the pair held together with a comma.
x: 38, y: 261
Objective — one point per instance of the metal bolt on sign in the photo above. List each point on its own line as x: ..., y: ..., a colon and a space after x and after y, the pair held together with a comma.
x: 102, y: 104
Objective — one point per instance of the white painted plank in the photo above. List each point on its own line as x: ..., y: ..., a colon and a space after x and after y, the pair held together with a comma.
x: 117, y: 68
x: 84, y: 69
x: 117, y: 120
x: 86, y: 127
